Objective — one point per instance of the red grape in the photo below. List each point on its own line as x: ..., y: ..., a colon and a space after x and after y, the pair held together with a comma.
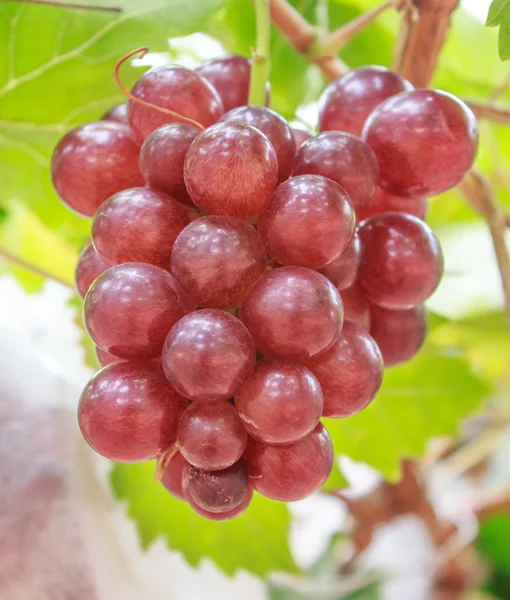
x: 222, y: 516
x: 403, y: 262
x: 350, y: 373
x: 219, y: 491
x: 275, y: 127
x: 382, y: 202
x: 105, y: 358
x: 231, y: 169
x: 211, y: 436
x: 343, y: 271
x: 208, y: 355
x: 89, y: 266
x: 93, y: 162
x: 218, y: 260
x: 398, y: 333
x: 344, y: 158
x: 230, y: 77
x: 293, y: 313
x: 280, y: 402
x: 425, y: 142
x: 293, y: 471
x: 162, y: 159
x: 173, y: 474
x: 308, y: 222
x: 138, y: 225
x: 347, y: 101
x: 301, y: 136
x: 177, y: 89
x: 117, y: 113
x: 130, y: 308
x: 356, y: 306
x: 129, y: 413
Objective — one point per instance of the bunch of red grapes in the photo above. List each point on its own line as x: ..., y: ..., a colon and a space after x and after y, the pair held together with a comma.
x: 245, y: 279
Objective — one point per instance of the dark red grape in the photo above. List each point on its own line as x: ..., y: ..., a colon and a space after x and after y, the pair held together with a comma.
x: 208, y: 355
x: 293, y: 471
x: 230, y: 77
x: 105, y: 358
x: 301, y: 136
x: 347, y: 101
x: 218, y: 260
x: 222, y: 516
x: 219, y: 491
x: 93, y: 162
x: 162, y: 159
x: 356, y: 306
x: 129, y: 413
x: 350, y: 372
x: 344, y: 158
x: 89, y: 266
x: 130, y: 308
x: 138, y: 225
x: 308, y: 222
x: 231, y: 169
x: 117, y: 113
x: 173, y: 474
x: 275, y: 127
x: 343, y: 271
x: 177, y: 89
x: 403, y: 262
x: 211, y: 435
x: 382, y: 202
x: 293, y: 313
x: 425, y: 142
x: 398, y: 333
x: 280, y: 402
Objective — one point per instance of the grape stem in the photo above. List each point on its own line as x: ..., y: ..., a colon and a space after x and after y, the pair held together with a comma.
x: 163, y: 460
x: 142, y: 52
x: 479, y: 193
x: 302, y: 35
x: 490, y: 111
x: 260, y: 59
x: 33, y: 268
x: 74, y: 5
x: 423, y: 32
x: 334, y: 42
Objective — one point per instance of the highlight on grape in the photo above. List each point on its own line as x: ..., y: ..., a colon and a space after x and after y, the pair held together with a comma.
x: 244, y: 278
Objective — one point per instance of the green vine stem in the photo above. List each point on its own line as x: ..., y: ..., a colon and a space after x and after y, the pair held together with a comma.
x: 260, y: 64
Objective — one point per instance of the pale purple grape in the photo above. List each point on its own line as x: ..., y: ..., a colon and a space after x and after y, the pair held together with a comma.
x: 344, y: 270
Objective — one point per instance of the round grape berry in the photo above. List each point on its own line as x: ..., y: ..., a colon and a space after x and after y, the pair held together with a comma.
x: 130, y: 308
x: 218, y: 260
x: 308, y: 222
x: 350, y: 372
x: 231, y: 169
x: 301, y: 135
x: 291, y: 472
x: 177, y: 89
x: 348, y: 101
x: 105, y: 358
x: 175, y: 470
x: 356, y: 306
x: 344, y: 270
x: 208, y: 355
x: 219, y: 491
x: 344, y: 158
x: 129, y: 413
x: 425, y: 142
x: 138, y: 225
x: 93, y: 162
x: 230, y: 77
x: 382, y: 202
x: 89, y: 266
x: 211, y: 435
x: 117, y: 113
x: 403, y: 263
x: 293, y: 313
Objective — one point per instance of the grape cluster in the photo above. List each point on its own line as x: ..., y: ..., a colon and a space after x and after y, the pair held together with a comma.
x: 245, y: 279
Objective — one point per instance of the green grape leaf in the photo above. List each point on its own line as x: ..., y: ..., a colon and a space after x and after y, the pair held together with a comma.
x: 56, y: 68
x: 423, y: 399
x: 499, y: 15
x: 256, y: 541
